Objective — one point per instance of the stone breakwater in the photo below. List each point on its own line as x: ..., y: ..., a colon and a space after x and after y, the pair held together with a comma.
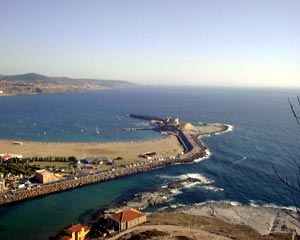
x: 197, y: 152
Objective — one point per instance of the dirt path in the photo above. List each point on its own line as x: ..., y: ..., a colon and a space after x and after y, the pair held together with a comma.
x: 174, y: 231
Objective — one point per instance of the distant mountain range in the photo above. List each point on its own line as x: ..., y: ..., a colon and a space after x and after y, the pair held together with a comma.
x: 33, y: 83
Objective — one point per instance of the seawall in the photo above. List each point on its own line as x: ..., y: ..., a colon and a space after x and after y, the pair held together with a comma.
x: 194, y: 149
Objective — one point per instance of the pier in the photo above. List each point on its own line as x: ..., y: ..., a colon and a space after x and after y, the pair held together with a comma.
x: 144, y: 117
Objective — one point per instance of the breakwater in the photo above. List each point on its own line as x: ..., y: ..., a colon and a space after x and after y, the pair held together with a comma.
x: 194, y: 149
x: 90, y: 179
x: 144, y: 117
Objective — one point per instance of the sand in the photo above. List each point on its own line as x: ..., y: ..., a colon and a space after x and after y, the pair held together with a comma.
x: 165, y: 147
x: 127, y: 150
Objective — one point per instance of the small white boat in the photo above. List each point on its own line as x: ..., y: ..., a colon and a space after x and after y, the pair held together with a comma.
x: 97, y: 130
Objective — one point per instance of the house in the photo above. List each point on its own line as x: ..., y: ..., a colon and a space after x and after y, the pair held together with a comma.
x: 45, y: 176
x: 74, y: 232
x: 2, y: 185
x: 148, y: 155
x: 126, y: 219
x: 6, y: 156
x: 96, y: 160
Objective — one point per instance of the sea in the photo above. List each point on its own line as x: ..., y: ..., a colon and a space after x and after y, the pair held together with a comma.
x: 240, y: 169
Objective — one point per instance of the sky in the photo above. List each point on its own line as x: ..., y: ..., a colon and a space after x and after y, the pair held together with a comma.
x: 160, y: 42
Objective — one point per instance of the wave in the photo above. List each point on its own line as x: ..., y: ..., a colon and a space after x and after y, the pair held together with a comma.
x: 212, y: 188
x: 254, y: 203
x: 203, y: 181
x: 198, y: 176
x: 175, y: 191
x: 229, y: 129
x: 206, y: 156
x: 239, y: 160
x: 201, y: 178
x: 231, y: 203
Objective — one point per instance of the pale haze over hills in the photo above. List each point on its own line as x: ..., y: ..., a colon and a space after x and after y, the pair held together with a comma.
x: 33, y: 83
x: 216, y: 43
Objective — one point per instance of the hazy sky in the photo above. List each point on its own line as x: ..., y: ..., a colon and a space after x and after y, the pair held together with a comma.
x: 200, y: 42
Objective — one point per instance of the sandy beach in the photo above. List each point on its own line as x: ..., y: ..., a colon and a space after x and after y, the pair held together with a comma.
x: 127, y: 150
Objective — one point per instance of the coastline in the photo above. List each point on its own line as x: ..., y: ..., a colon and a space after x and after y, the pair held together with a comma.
x: 195, y: 151
x: 264, y: 219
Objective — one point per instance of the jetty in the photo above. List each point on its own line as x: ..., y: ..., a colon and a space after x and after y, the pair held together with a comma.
x: 144, y: 117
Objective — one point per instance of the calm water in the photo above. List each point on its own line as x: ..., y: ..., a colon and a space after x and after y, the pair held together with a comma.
x: 265, y: 135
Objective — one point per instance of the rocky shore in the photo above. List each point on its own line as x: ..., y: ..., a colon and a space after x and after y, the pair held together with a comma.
x: 159, y: 196
x: 265, y: 219
x: 196, y: 151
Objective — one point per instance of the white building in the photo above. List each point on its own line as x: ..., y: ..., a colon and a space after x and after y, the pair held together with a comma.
x: 6, y: 156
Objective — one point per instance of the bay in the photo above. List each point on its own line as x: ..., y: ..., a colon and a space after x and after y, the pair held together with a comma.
x: 265, y: 135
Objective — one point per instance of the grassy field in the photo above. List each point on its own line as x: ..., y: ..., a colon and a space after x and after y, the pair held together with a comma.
x: 50, y: 164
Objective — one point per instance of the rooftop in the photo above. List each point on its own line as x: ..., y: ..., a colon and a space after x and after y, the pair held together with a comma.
x: 126, y: 215
x: 76, y: 228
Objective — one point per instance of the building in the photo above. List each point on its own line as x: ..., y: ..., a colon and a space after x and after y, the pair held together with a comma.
x: 2, y: 186
x: 6, y: 156
x: 96, y: 160
x: 148, y: 155
x: 126, y: 219
x: 74, y: 232
x: 45, y: 176
x: 171, y: 121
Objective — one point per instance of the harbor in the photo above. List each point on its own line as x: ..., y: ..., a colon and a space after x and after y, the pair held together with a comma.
x: 187, y: 136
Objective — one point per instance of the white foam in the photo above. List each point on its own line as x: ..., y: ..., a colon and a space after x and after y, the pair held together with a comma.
x: 206, y: 156
x: 198, y: 176
x: 175, y: 191
x: 254, y: 203
x: 239, y: 160
x: 232, y: 203
x: 177, y: 205
x: 167, y: 177
x: 190, y: 185
x: 271, y: 205
x: 229, y: 129
x: 212, y: 188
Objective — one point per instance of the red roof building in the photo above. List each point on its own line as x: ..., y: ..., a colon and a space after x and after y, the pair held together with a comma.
x: 127, y: 219
x: 74, y: 232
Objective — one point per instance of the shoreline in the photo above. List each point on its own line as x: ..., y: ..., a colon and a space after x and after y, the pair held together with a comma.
x: 196, y: 150
x: 264, y: 219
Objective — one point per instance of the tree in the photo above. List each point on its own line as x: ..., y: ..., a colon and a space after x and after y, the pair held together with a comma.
x: 293, y: 182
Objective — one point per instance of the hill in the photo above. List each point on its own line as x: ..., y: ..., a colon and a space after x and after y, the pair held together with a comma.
x: 33, y: 83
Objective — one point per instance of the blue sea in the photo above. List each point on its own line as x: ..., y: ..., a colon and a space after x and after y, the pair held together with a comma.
x: 265, y: 136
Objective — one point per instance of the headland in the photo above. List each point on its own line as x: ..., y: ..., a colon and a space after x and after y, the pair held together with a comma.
x: 181, y: 145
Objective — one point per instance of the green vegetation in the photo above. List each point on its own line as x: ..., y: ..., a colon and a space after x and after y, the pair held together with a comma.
x: 28, y: 166
x: 17, y: 169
